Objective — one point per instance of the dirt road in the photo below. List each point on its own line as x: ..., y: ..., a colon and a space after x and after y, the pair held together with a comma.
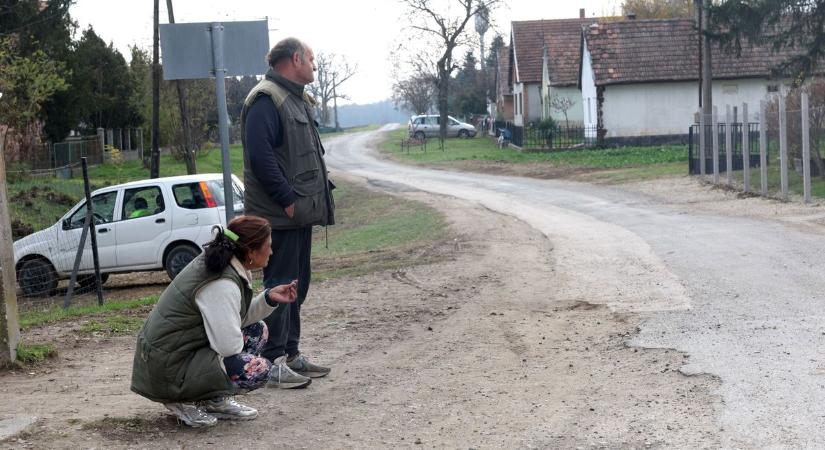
x: 564, y: 315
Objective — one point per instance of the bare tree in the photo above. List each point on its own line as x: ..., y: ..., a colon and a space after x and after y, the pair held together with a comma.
x: 439, y: 21
x: 562, y: 105
x: 333, y: 71
x: 415, y: 93
x: 658, y: 9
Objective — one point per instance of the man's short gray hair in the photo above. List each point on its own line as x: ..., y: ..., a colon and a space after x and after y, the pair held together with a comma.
x: 284, y: 50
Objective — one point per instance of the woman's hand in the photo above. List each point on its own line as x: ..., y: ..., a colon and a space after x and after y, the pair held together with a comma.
x: 285, y: 293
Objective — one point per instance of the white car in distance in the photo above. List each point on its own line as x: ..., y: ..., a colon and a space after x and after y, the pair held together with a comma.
x: 156, y: 224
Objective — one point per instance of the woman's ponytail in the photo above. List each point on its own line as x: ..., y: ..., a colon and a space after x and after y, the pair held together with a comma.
x: 220, y: 250
x: 243, y: 235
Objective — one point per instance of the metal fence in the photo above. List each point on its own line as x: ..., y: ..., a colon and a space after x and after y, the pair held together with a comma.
x: 559, y: 138
x: 734, y: 158
x: 786, y: 145
x: 71, y: 151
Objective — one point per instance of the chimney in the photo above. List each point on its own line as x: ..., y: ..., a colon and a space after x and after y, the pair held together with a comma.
x: 581, y: 13
x: 631, y: 16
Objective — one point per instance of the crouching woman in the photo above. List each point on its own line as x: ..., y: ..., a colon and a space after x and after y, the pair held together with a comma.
x: 200, y: 344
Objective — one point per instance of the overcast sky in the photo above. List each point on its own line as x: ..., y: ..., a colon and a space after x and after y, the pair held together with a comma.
x: 363, y: 31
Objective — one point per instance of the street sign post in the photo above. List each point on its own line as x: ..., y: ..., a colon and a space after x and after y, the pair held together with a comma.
x: 215, y: 50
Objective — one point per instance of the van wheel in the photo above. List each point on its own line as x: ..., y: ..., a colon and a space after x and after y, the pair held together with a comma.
x: 178, y: 258
x: 463, y: 134
x: 419, y: 135
x: 37, y: 278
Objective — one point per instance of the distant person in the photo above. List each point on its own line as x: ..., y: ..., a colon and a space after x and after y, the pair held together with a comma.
x: 200, y: 344
x: 141, y: 208
x: 285, y: 179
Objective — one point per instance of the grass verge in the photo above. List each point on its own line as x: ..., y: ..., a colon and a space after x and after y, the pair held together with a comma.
x: 374, y: 231
x: 53, y: 314
x: 35, y: 353
x: 117, y: 324
x: 625, y: 163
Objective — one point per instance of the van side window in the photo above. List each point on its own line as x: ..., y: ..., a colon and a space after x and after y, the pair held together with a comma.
x: 199, y: 195
x: 142, y: 202
x: 104, y: 209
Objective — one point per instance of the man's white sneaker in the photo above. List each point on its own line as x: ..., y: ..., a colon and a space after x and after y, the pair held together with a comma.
x: 228, y: 408
x: 192, y: 415
x: 281, y: 376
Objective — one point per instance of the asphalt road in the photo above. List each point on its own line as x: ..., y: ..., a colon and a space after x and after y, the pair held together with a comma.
x: 742, y: 297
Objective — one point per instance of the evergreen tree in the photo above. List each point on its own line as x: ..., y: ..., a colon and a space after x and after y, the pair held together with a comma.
x: 784, y: 24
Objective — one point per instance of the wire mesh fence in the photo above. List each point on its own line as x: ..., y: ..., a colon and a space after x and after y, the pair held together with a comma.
x: 48, y: 217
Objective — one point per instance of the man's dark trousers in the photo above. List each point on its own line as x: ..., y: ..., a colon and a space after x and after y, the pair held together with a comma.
x: 290, y: 260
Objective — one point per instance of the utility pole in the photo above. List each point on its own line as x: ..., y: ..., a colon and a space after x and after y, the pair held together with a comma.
x: 154, y: 165
x: 697, y: 9
x: 188, y: 148
x: 707, y: 74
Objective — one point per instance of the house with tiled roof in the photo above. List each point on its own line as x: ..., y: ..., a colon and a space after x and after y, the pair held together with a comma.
x: 504, y: 86
x: 544, y: 56
x: 639, y: 79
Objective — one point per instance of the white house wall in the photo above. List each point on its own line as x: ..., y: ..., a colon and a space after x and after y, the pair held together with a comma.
x: 575, y: 113
x: 518, y: 113
x: 532, y: 99
x: 588, y: 94
x: 652, y: 109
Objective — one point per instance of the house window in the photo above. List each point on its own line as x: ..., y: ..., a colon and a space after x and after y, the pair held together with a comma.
x: 773, y: 88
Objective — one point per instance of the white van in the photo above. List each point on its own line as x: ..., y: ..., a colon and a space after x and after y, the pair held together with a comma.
x: 156, y: 224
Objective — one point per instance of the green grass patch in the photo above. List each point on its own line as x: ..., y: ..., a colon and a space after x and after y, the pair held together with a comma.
x: 33, y: 354
x: 485, y: 149
x: 117, y: 324
x: 373, y: 231
x: 55, y: 313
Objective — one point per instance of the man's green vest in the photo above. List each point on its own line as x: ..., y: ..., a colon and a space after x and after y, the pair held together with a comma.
x: 173, y: 360
x: 300, y: 155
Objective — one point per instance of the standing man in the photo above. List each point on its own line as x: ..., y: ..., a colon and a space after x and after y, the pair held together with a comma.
x: 285, y: 180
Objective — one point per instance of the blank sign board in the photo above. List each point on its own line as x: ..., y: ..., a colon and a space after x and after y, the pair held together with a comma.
x: 187, y: 49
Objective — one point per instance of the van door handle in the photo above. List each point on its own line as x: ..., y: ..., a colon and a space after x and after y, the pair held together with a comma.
x: 102, y: 230
x: 161, y: 220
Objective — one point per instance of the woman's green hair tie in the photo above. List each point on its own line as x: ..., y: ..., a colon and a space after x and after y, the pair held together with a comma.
x: 230, y: 234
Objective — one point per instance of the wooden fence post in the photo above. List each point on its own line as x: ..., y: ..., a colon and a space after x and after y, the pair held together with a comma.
x: 9, y: 321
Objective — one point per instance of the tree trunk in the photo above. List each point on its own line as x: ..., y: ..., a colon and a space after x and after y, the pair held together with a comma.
x: 188, y: 150
x: 443, y: 88
x: 335, y: 104
x: 154, y: 171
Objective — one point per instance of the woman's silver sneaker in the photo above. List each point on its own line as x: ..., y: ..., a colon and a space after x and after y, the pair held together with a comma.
x: 192, y: 415
x: 228, y: 408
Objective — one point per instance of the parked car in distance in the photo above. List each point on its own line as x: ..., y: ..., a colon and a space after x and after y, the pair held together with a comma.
x: 426, y: 126
x: 155, y: 224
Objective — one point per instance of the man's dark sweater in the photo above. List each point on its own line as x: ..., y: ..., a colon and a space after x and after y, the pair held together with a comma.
x: 263, y: 134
